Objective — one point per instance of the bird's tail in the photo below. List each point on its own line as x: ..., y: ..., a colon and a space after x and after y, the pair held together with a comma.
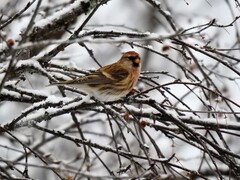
x: 61, y: 83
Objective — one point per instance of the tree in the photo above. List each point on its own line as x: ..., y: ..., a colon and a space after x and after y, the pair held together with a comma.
x: 182, y: 124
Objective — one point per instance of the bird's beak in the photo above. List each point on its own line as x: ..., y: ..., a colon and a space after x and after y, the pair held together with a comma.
x: 137, y: 60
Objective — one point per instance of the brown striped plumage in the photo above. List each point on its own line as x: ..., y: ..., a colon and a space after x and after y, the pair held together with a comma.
x: 113, y: 81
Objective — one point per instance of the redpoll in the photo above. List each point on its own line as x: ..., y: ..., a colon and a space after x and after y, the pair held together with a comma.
x: 111, y: 82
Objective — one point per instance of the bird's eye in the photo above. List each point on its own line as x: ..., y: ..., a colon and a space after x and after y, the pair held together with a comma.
x: 132, y: 58
x: 135, y: 60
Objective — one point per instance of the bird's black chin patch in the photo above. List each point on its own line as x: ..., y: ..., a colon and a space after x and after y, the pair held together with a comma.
x: 135, y: 64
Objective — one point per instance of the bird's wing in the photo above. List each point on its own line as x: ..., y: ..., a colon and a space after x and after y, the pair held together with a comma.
x: 96, y: 77
x: 104, y: 75
x: 114, y: 72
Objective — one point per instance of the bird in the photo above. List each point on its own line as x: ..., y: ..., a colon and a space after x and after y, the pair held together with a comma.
x: 111, y: 82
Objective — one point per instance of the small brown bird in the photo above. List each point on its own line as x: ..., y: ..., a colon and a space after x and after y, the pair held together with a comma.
x: 111, y: 82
